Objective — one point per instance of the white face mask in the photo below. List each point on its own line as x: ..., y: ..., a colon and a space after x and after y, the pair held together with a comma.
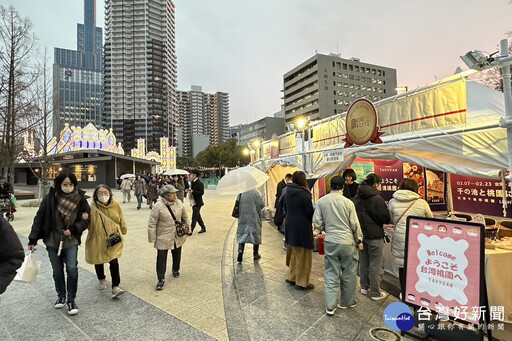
x: 104, y: 199
x: 67, y: 190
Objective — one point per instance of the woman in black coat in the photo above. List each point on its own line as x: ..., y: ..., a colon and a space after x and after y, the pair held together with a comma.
x: 372, y: 213
x: 11, y: 254
x: 60, y: 221
x: 299, y: 232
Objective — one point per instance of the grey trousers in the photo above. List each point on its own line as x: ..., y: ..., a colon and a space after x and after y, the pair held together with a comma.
x: 340, y: 261
x: 371, y: 267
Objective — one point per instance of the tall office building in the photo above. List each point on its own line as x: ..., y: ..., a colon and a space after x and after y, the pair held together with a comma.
x: 202, y: 114
x: 325, y: 85
x: 78, y: 76
x: 140, y: 71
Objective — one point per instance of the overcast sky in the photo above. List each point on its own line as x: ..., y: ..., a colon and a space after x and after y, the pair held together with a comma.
x: 244, y: 47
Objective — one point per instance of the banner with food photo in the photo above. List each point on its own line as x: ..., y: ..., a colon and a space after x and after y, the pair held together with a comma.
x: 435, y: 182
x: 444, y: 266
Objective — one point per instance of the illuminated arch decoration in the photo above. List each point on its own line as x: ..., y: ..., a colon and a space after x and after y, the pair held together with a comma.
x: 89, y: 137
x: 166, y: 158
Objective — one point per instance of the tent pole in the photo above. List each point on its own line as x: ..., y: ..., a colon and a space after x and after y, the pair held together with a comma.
x: 507, y: 123
x: 449, y: 199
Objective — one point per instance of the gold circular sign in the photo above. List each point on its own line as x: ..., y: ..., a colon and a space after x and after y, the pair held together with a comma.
x: 361, y: 122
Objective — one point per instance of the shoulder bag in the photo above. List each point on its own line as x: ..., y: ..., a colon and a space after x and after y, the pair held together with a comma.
x: 114, y: 238
x: 236, y: 209
x: 181, y: 226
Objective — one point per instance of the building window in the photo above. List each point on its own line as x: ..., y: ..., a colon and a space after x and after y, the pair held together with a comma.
x: 344, y: 66
x: 351, y: 67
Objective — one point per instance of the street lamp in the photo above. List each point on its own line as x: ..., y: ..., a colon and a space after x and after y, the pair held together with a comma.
x: 301, y: 126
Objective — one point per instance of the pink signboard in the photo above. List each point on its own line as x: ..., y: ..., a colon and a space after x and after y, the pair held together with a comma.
x: 444, y: 266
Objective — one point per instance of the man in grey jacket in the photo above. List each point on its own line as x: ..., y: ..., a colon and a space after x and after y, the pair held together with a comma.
x: 337, y: 216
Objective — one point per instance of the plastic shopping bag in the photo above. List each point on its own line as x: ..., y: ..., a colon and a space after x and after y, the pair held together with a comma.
x: 14, y: 202
x: 29, y: 269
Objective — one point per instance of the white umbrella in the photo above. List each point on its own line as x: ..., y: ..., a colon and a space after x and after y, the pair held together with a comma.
x: 176, y: 172
x: 127, y: 176
x: 241, y: 180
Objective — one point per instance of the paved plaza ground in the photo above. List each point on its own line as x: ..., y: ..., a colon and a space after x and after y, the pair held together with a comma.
x: 214, y: 298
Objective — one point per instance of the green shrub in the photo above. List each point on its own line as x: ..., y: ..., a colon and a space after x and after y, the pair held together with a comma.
x: 32, y: 203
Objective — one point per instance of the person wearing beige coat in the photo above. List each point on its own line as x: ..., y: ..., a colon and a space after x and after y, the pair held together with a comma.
x: 106, y: 219
x: 162, y: 232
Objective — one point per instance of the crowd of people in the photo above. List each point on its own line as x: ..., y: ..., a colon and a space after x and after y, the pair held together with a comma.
x: 65, y: 213
x: 351, y: 217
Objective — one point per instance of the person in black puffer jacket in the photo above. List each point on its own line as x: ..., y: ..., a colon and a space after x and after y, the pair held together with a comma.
x: 11, y: 254
x: 372, y: 213
x: 299, y: 232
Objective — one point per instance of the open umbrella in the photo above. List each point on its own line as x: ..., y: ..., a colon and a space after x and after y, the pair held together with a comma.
x: 176, y: 172
x: 127, y: 176
x: 241, y: 180
x: 144, y: 176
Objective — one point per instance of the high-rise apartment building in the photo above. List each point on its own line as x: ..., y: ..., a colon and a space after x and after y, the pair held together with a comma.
x: 202, y: 114
x: 78, y: 76
x: 140, y: 71
x: 325, y: 85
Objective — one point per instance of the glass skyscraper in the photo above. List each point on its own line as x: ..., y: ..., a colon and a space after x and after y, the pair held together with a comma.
x: 78, y: 76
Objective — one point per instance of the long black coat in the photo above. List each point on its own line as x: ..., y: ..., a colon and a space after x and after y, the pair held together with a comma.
x: 279, y: 190
x: 11, y: 254
x: 371, y: 211
x: 197, y: 192
x: 299, y: 216
x: 44, y: 221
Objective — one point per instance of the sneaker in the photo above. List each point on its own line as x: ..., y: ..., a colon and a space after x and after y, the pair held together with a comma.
x: 175, y: 274
x: 256, y: 257
x: 202, y: 231
x: 117, y: 291
x: 160, y: 284
x: 61, y: 302
x: 72, y: 308
x: 381, y: 297
x: 289, y: 282
x: 350, y: 306
x: 102, y: 284
x: 330, y: 312
x: 364, y: 291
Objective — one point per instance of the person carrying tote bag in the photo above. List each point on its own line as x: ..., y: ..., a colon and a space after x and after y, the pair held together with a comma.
x: 106, y: 219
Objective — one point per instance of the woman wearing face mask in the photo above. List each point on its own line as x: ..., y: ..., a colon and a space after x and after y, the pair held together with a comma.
x: 62, y: 217
x: 106, y: 219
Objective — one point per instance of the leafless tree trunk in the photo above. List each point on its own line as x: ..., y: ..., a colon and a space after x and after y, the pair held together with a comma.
x: 16, y: 44
x: 492, y: 77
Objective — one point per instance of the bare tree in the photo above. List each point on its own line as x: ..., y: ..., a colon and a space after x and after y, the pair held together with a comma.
x: 16, y: 45
x: 492, y: 77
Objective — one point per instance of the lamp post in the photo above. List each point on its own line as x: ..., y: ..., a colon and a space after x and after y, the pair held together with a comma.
x: 478, y: 61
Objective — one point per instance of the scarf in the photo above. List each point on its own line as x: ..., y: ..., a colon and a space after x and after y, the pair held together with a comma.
x: 67, y: 204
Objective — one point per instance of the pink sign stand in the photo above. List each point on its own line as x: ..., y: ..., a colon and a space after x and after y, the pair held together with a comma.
x: 444, y: 268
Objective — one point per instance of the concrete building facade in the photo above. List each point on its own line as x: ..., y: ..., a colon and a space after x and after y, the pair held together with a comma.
x: 201, y: 113
x: 325, y: 85
x: 261, y: 130
x: 140, y: 71
x: 78, y: 76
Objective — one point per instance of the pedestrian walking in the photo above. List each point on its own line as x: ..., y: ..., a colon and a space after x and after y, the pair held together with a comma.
x: 373, y: 214
x: 162, y: 232
x: 249, y: 223
x: 60, y: 221
x: 179, y: 183
x: 152, y: 192
x: 11, y: 254
x: 336, y: 215
x: 197, y: 191
x: 299, y: 232
x: 126, y: 187
x: 139, y: 188
x: 106, y: 219
x: 350, y: 187
x: 405, y: 202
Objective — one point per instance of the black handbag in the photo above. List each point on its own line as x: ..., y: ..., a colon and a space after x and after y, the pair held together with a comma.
x: 181, y: 226
x: 236, y: 209
x: 280, y: 213
x: 114, y: 238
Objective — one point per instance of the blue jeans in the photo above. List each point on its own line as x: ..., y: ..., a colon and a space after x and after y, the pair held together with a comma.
x: 139, y: 200
x: 340, y: 261
x: 69, y: 257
